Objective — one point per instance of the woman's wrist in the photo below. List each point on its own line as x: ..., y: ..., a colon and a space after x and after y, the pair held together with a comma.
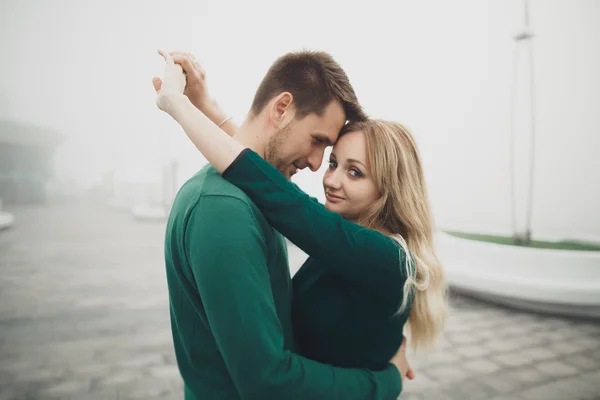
x: 172, y: 104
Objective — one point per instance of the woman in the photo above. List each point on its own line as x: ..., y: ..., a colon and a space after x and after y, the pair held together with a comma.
x: 371, y: 268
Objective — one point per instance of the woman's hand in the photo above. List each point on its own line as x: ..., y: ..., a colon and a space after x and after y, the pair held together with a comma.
x: 196, y: 89
x: 401, y: 362
x: 218, y: 148
x: 173, y: 84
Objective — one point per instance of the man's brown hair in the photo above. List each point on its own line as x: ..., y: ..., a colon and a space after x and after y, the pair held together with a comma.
x: 315, y: 79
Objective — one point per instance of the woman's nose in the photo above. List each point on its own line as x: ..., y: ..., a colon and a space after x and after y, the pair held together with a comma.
x: 333, y: 180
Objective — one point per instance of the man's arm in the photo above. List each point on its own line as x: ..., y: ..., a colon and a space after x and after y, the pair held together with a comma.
x: 234, y: 284
x: 212, y: 110
x: 197, y: 91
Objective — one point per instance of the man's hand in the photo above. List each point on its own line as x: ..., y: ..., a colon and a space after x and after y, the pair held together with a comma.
x: 195, y: 89
x: 400, y: 361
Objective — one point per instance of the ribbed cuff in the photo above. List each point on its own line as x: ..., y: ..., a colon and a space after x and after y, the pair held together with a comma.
x: 235, y: 162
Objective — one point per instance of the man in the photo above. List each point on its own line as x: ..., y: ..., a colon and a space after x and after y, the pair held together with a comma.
x: 227, y: 268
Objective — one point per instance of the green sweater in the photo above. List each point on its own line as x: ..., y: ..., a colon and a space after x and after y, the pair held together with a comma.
x: 230, y: 300
x: 347, y: 294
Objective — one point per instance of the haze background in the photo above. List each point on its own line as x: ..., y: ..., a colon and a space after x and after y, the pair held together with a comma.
x: 444, y: 69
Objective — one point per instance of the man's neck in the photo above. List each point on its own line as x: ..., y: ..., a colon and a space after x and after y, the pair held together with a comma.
x: 253, y: 135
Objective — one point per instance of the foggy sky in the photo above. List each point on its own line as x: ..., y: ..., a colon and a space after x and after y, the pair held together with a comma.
x: 442, y: 68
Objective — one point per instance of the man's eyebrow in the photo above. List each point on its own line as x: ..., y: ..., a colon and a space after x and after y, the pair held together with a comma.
x: 324, y: 138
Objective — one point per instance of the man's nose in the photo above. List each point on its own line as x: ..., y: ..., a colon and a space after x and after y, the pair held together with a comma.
x: 315, y: 159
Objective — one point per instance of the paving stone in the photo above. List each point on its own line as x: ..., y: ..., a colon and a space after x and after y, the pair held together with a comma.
x: 464, y: 338
x: 436, y: 394
x: 17, y: 366
x: 513, y: 359
x: 557, y: 323
x: 8, y: 394
x: 592, y: 377
x: 471, y: 389
x: 521, y: 331
x: 525, y: 341
x: 101, y: 394
x: 143, y: 360
x: 573, y: 388
x: 165, y: 372
x: 528, y: 375
x: 588, y: 343
x: 170, y: 396
x: 539, y: 353
x: 487, y: 334
x: 448, y: 373
x: 513, y: 396
x: 96, y: 370
x: 561, y: 336
x: 472, y: 351
x: 591, y: 328
x: 567, y: 348
x: 582, y: 362
x: 481, y: 366
x: 103, y: 331
x: 523, y: 318
x: 40, y: 373
x: 147, y: 388
x: 556, y: 368
x: 502, y: 383
x: 410, y: 396
x: 454, y: 328
x: 421, y: 383
x: 121, y: 377
x: 439, y: 358
x: 595, y: 354
x: 68, y: 388
x: 502, y: 345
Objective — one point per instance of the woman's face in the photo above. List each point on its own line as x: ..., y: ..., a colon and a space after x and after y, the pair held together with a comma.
x: 349, y: 188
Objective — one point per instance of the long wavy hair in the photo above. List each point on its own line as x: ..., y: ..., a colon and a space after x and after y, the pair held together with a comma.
x: 403, y: 211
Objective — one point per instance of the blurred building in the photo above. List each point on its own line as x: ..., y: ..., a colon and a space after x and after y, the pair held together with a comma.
x: 26, y: 152
x: 127, y: 190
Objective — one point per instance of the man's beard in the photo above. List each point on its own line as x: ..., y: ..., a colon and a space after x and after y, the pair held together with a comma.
x: 274, y: 154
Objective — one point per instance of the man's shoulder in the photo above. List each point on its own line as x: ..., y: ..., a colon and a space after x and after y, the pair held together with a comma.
x: 209, y: 183
x: 207, y: 191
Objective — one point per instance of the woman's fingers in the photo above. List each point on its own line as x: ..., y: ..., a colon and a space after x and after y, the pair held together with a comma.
x: 157, y: 83
x: 166, y: 55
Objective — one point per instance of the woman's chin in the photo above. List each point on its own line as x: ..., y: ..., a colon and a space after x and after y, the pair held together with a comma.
x: 333, y: 207
x: 339, y: 210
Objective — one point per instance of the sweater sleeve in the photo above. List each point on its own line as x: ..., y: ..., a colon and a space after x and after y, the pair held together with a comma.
x: 365, y: 256
x: 233, y: 282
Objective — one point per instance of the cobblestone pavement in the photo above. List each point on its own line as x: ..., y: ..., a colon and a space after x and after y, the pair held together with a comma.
x: 84, y: 315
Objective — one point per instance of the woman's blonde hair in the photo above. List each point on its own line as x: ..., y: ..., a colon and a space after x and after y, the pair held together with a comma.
x: 403, y: 210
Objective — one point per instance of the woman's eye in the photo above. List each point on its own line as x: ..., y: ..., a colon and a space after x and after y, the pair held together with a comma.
x: 332, y: 164
x: 355, y: 173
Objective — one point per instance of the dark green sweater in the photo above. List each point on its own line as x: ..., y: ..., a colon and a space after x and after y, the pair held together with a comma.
x: 230, y: 298
x: 347, y: 294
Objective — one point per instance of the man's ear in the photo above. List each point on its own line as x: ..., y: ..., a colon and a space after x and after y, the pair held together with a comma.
x: 282, y: 109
